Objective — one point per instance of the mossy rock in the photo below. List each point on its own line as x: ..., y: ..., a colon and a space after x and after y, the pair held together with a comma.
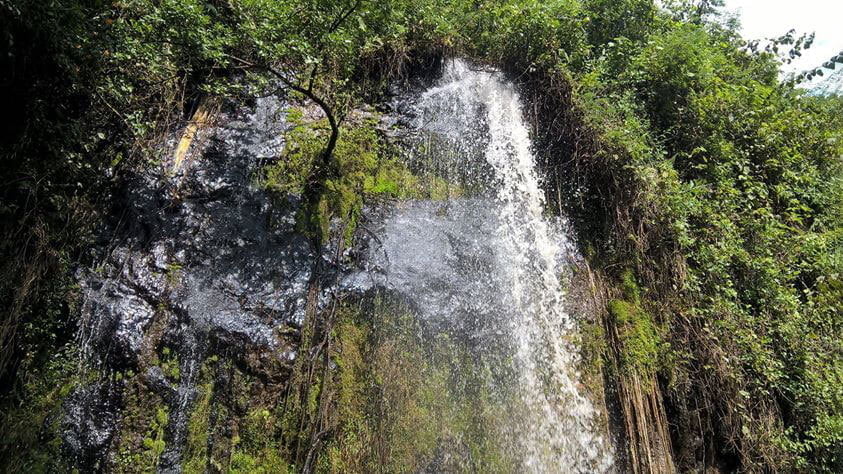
x: 365, y: 167
x: 639, y: 338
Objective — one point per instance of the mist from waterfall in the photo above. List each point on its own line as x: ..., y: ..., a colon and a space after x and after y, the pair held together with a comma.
x: 490, y: 268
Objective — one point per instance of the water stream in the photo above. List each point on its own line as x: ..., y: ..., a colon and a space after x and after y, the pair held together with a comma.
x: 490, y: 268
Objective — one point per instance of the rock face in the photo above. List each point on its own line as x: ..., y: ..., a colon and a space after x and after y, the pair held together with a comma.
x: 440, y: 338
x: 199, y: 258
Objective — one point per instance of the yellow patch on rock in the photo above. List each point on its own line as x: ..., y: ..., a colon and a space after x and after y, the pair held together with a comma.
x: 200, y: 118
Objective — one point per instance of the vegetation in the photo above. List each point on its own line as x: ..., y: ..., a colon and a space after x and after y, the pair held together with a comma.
x: 680, y: 155
x: 401, y: 403
x: 404, y: 402
x: 722, y: 187
x: 31, y: 430
x: 730, y: 183
x: 369, y: 170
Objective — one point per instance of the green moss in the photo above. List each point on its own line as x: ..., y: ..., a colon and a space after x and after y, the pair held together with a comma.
x: 257, y: 449
x: 366, y: 169
x: 169, y: 363
x: 198, y: 431
x: 268, y: 461
x: 629, y: 286
x: 401, y: 400
x: 236, y: 427
x: 145, y: 416
x: 593, y: 346
x: 303, y: 143
x: 639, y: 338
x: 153, y: 443
x: 173, y: 273
x: 353, y: 443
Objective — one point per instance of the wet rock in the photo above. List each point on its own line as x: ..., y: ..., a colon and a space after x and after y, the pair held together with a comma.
x: 158, y: 383
x: 207, y: 258
x: 90, y: 422
x: 116, y: 317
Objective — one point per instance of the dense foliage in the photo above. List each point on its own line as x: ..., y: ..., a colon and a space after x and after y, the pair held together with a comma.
x: 713, y: 186
x: 745, y: 174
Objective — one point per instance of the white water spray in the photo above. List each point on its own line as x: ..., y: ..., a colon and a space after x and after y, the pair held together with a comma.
x: 552, y: 422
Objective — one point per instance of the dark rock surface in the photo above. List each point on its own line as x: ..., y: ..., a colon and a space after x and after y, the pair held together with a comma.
x: 199, y: 258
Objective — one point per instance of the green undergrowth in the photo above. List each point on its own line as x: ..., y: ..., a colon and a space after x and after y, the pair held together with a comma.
x: 31, y: 428
x: 739, y: 177
x: 48, y: 370
x: 144, y: 419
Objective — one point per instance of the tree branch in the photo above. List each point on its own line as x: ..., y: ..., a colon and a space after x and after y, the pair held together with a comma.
x: 307, y: 92
x: 341, y: 19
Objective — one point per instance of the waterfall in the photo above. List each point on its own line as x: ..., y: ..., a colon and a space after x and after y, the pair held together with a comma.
x: 490, y: 268
x: 482, y: 278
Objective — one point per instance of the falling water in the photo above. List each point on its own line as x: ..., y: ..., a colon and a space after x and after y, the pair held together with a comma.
x: 491, y: 267
x: 487, y: 270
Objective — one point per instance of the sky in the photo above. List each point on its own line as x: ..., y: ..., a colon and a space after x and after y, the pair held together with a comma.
x: 773, y: 18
